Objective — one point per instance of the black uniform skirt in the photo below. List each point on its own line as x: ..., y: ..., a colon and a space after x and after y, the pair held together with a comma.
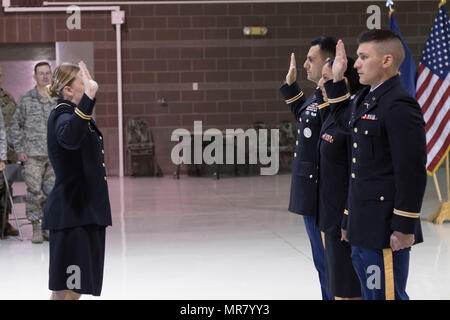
x: 77, y: 258
x: 343, y: 282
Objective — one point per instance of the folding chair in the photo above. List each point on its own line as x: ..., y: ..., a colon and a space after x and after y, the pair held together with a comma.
x: 13, y: 173
x: 288, y: 136
x: 141, y: 149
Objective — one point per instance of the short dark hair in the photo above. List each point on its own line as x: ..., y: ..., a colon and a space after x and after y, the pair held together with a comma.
x: 390, y: 41
x: 327, y: 45
x: 40, y: 64
x: 351, y: 74
x: 377, y: 35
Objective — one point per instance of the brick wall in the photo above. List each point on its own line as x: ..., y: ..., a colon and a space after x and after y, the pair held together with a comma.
x: 166, y: 48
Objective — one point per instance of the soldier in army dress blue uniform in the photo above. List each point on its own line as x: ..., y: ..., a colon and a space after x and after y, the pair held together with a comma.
x: 77, y: 210
x: 334, y: 155
x: 304, y: 167
x: 387, y: 169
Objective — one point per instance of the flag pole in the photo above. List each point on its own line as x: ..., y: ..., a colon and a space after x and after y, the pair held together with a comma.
x: 443, y: 211
x: 438, y: 190
x: 448, y: 176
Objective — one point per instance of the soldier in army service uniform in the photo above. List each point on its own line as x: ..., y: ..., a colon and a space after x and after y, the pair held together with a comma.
x: 77, y: 210
x: 7, y: 105
x: 308, y: 114
x: 333, y: 158
x: 28, y: 134
x: 387, y: 167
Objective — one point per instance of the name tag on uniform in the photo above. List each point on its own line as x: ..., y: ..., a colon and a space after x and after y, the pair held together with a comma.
x: 369, y: 117
x: 327, y: 138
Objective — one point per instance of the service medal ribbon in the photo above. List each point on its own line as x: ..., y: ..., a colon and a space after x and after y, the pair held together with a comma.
x: 312, y: 107
x: 369, y: 117
x: 327, y: 138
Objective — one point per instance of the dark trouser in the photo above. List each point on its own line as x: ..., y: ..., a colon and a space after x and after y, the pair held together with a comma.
x: 342, y: 279
x: 315, y: 238
x: 383, y: 273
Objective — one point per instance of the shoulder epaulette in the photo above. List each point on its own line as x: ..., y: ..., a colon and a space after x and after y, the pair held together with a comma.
x: 63, y: 108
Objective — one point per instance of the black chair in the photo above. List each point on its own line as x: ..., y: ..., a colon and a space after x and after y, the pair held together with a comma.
x: 141, y: 149
x: 288, y: 138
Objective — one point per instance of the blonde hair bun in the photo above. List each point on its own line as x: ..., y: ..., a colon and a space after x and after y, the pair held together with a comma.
x: 51, y: 91
x: 62, y: 76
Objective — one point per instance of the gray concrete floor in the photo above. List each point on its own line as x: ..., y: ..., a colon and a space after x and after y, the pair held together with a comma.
x: 199, y: 238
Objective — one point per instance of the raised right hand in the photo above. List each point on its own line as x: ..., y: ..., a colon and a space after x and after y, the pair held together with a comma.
x: 90, y: 86
x: 291, y: 76
x: 340, y: 62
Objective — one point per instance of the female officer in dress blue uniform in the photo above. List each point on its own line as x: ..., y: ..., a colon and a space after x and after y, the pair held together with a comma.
x: 334, y: 154
x: 77, y: 210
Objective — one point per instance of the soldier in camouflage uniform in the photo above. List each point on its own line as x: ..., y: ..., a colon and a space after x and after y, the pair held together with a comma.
x: 28, y: 134
x: 7, y: 105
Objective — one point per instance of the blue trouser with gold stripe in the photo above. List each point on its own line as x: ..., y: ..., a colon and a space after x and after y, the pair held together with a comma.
x: 315, y: 238
x: 383, y: 273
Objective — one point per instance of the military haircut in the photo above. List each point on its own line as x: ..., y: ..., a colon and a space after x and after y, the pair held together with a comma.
x: 40, y: 64
x: 388, y: 42
x: 327, y: 46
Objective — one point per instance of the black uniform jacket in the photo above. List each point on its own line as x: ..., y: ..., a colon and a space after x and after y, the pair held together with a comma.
x: 387, y: 173
x: 304, y: 166
x: 334, y: 156
x: 75, y: 148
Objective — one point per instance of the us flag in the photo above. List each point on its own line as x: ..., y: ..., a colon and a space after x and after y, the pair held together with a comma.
x: 433, y: 90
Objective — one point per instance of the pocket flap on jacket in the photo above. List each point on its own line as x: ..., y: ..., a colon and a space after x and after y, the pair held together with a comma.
x: 304, y: 169
x: 379, y: 191
x: 369, y: 127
